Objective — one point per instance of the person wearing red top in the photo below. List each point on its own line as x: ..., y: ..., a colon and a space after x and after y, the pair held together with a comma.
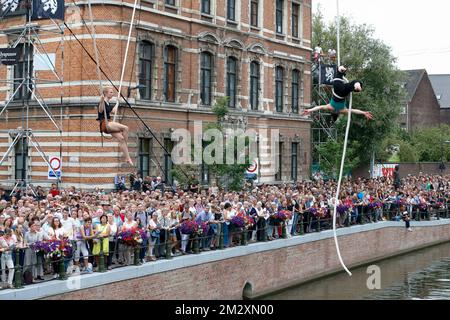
x: 54, y: 190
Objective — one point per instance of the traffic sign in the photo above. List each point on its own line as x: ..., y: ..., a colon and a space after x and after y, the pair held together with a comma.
x: 252, y: 171
x: 55, y: 166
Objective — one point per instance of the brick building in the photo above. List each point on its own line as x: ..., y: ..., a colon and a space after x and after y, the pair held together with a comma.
x: 183, y: 55
x: 441, y: 86
x: 420, y: 108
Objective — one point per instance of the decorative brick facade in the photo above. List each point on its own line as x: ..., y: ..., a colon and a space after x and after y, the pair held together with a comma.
x: 85, y: 162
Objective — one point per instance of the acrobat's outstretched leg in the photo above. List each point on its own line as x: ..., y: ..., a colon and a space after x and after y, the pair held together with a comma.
x: 367, y: 114
x: 318, y: 108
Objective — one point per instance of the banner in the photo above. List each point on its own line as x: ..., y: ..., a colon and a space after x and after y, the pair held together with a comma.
x: 46, y: 9
x: 327, y: 74
x: 9, y: 56
x: 12, y: 8
x: 384, y: 170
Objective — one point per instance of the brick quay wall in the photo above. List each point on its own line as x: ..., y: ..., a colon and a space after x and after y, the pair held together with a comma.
x: 252, y: 270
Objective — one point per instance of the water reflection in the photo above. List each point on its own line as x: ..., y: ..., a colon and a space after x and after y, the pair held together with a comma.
x: 422, y: 275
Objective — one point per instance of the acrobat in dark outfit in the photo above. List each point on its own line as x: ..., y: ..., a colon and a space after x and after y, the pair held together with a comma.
x: 341, y: 90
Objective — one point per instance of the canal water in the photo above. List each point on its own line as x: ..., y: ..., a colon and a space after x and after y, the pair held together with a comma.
x: 421, y: 275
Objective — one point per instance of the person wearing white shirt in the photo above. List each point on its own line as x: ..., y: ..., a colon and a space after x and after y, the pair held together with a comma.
x: 112, y: 240
x: 76, y: 238
x: 7, y: 245
x: 68, y: 225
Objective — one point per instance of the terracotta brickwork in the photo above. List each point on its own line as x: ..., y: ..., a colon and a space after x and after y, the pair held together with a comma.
x: 191, y: 33
x: 267, y: 271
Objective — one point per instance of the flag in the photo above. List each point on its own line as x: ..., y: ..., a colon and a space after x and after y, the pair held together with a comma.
x: 328, y: 73
x: 46, y: 9
x: 11, y: 8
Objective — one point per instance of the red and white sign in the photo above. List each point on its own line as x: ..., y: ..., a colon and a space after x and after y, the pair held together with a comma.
x: 54, y: 167
x: 253, y: 169
x: 384, y: 170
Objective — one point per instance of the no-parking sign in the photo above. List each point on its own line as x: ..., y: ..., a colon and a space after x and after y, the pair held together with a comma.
x: 54, y: 167
x: 252, y: 171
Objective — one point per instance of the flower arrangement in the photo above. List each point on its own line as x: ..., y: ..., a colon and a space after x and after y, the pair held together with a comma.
x: 439, y: 205
x: 132, y: 237
x: 202, y: 228
x: 423, y: 206
x: 312, y: 211
x: 375, y: 205
x: 249, y: 222
x: 283, y: 215
x: 342, y: 209
x: 238, y: 222
x: 189, y: 227
x: 53, y: 248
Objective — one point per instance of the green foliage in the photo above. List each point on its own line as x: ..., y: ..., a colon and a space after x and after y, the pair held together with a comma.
x: 220, y: 109
x: 407, y: 152
x: 370, y: 61
x: 423, y: 145
x: 331, y: 154
x: 230, y: 176
x: 430, y: 143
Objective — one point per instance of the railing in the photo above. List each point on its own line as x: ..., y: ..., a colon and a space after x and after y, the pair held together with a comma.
x: 224, y: 236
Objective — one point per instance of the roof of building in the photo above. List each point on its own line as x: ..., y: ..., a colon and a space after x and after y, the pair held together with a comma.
x: 413, y: 78
x: 441, y: 86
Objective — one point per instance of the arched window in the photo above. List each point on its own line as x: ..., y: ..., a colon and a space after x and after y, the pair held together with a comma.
x: 231, y: 81
x: 254, y: 85
x: 279, y: 84
x: 295, y: 90
x: 146, y: 54
x: 170, y: 67
x: 206, y: 78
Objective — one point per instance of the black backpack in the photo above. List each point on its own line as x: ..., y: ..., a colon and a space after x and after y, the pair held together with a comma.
x: 28, y: 277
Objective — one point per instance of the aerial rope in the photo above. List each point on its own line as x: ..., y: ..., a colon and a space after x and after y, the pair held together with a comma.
x: 347, y: 130
x: 125, y: 58
x: 122, y: 96
x: 99, y: 55
x: 94, y: 38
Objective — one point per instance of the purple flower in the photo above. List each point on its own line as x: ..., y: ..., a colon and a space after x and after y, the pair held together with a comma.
x: 342, y: 209
x: 312, y: 211
x: 188, y: 227
x: 238, y: 221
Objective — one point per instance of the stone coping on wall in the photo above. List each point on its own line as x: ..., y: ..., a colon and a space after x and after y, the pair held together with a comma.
x: 74, y: 283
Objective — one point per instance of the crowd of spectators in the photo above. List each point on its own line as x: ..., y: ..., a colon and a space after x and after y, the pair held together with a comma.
x: 96, y: 222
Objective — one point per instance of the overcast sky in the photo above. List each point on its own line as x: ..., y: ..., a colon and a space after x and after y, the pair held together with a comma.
x: 417, y: 31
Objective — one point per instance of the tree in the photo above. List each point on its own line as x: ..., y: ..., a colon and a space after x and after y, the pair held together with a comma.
x: 331, y: 154
x: 230, y: 176
x: 429, y: 143
x: 369, y: 60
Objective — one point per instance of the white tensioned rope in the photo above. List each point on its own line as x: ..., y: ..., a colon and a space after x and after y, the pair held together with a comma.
x: 347, y: 130
x: 126, y: 56
x: 99, y: 76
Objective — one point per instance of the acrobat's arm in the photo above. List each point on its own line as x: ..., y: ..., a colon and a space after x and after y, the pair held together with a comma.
x: 101, y: 106
x: 367, y: 114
